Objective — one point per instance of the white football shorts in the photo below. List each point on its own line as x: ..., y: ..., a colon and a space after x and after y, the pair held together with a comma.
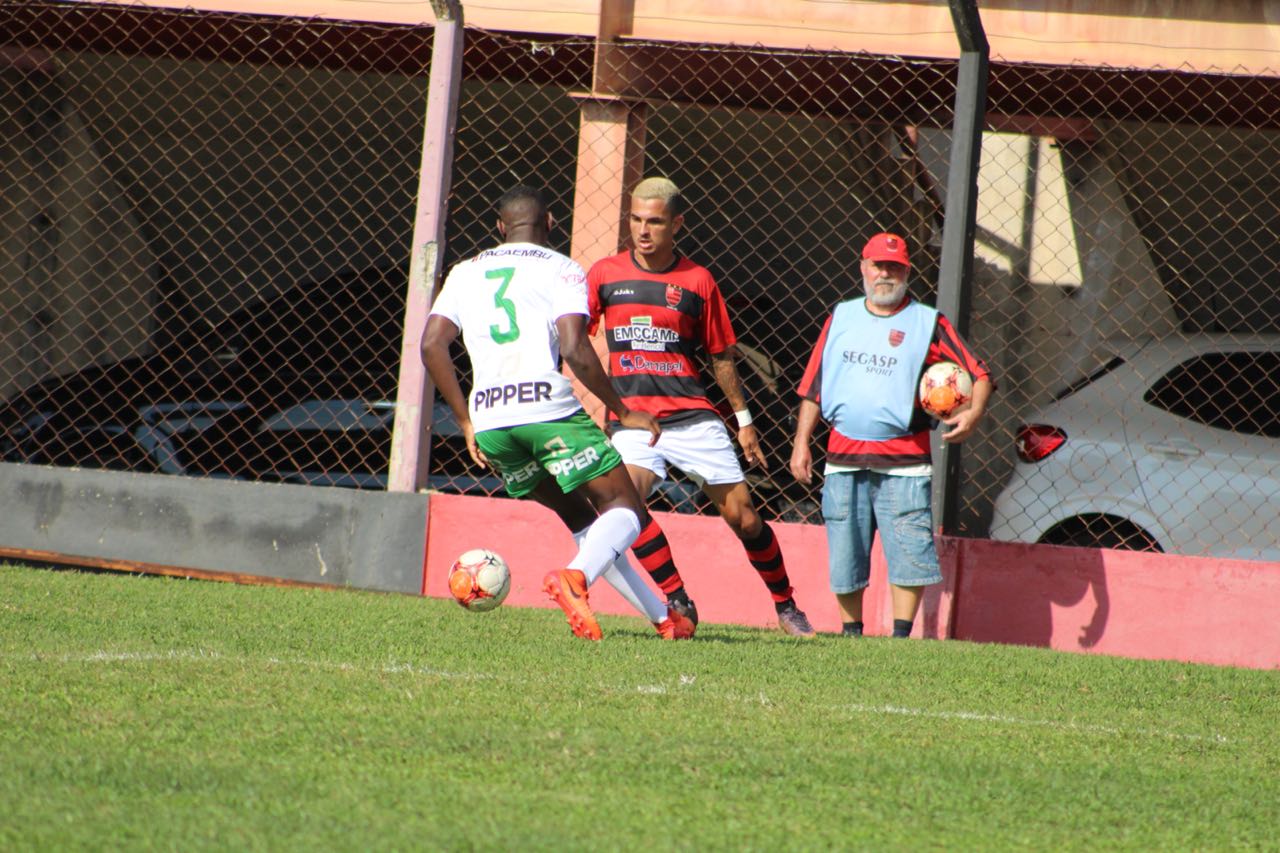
x: 701, y: 449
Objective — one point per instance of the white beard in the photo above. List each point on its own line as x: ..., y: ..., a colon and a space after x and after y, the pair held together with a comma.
x: 891, y: 300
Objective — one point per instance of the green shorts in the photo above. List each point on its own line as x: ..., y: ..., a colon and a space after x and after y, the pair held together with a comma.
x: 573, y: 450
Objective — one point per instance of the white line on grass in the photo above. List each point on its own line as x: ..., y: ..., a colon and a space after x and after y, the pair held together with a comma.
x: 685, y: 680
x: 1026, y: 721
x: 203, y: 655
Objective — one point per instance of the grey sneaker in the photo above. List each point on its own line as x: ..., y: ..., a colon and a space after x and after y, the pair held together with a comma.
x: 793, y: 621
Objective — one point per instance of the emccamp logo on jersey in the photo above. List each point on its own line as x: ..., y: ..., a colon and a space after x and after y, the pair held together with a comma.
x: 643, y: 335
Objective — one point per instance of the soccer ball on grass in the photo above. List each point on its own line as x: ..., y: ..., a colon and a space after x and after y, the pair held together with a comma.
x: 479, y: 580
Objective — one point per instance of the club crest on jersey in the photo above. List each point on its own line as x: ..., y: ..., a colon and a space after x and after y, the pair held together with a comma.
x: 674, y: 293
x: 896, y: 337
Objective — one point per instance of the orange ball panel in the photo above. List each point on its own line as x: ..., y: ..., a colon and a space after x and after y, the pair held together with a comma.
x: 462, y: 585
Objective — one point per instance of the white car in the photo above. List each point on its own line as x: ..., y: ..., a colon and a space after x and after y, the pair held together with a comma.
x: 1173, y: 445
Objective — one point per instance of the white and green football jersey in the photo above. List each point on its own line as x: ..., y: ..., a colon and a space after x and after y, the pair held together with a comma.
x: 506, y: 302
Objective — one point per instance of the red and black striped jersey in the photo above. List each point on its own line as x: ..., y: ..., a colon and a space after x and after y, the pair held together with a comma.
x: 909, y: 449
x: 654, y: 324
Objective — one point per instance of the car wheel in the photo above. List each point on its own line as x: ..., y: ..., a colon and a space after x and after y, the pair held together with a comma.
x: 1101, y: 531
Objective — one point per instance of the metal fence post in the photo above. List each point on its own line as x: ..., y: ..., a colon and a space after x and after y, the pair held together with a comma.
x: 410, y: 444
x: 955, y: 273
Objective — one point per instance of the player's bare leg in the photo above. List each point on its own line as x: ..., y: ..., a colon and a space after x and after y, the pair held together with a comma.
x: 578, y: 514
x: 616, y: 526
x: 574, y: 509
x: 733, y: 501
x: 850, y: 605
x: 906, y: 603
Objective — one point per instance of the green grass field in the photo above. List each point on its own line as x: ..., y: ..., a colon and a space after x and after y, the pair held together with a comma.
x: 146, y: 713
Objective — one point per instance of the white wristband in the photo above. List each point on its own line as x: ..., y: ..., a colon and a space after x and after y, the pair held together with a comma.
x: 744, y: 418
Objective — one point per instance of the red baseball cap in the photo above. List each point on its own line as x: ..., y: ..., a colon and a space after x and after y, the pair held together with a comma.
x: 886, y: 247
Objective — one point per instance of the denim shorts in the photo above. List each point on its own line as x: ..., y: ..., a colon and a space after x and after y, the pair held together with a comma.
x: 858, y: 503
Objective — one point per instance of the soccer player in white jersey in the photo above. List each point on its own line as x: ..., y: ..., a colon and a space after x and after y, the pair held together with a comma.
x: 519, y: 308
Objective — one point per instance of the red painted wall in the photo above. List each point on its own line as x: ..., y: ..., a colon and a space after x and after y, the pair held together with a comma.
x: 1072, y: 599
x: 1119, y: 602
x: 713, y: 564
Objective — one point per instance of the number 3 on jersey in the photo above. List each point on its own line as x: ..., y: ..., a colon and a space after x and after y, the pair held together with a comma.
x: 512, y: 331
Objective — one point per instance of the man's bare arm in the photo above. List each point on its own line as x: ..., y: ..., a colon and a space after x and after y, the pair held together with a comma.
x: 575, y: 347
x: 726, y: 373
x: 439, y: 334
x: 725, y: 370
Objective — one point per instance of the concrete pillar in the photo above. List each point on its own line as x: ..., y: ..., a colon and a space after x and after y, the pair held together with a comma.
x: 611, y: 133
x: 411, y: 434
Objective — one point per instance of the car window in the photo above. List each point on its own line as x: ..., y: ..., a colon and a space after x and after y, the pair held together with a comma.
x: 1233, y: 391
x: 189, y: 415
x: 1084, y: 381
x: 333, y: 415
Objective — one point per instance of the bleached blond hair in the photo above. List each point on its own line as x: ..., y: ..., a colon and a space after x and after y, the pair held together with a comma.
x: 663, y: 189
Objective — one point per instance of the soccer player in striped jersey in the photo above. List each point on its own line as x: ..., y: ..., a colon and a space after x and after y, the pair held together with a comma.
x: 519, y: 307
x: 659, y: 311
x: 862, y: 378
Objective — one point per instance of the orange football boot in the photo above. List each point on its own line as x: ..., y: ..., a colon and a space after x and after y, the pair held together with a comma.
x: 676, y: 626
x: 568, y: 588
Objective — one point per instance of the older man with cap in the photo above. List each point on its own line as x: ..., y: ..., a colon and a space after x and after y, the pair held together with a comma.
x: 862, y: 379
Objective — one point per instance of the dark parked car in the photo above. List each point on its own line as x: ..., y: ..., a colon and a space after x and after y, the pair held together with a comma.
x: 174, y: 418
x: 297, y: 388
x: 294, y: 388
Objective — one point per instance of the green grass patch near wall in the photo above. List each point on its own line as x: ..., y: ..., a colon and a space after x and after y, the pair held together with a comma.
x: 144, y: 713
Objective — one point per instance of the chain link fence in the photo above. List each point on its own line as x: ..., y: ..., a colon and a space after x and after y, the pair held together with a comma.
x: 206, y: 242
